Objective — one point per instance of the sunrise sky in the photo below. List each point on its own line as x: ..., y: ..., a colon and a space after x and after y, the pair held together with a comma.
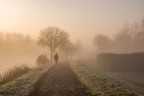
x: 82, y: 19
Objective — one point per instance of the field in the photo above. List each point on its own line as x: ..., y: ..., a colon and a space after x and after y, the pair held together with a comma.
x: 130, y: 80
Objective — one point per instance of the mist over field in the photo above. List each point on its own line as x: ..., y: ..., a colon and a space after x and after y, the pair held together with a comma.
x: 97, y: 46
x: 17, y: 49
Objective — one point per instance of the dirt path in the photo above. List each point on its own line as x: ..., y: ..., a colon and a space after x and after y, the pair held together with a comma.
x: 59, y: 81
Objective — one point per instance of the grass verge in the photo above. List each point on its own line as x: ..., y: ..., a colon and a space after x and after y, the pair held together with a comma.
x: 98, y: 85
x: 14, y: 73
x: 24, y: 84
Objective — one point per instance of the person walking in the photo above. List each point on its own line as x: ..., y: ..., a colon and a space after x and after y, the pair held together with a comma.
x: 56, y: 57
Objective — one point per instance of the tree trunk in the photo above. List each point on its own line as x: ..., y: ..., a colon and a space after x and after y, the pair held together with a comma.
x: 51, y: 56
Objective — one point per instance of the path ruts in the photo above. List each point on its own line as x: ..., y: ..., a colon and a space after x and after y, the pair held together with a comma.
x: 59, y: 81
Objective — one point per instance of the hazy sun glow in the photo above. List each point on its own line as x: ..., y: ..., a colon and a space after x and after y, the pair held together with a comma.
x: 83, y: 19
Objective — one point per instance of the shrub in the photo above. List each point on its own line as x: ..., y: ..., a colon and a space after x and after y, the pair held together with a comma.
x: 14, y: 73
x: 42, y: 59
x: 121, y: 62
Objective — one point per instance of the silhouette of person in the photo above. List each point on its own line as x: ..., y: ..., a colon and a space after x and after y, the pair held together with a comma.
x: 56, y: 57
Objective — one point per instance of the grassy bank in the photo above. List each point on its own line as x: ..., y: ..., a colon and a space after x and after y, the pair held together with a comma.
x: 14, y: 73
x: 21, y: 86
x: 98, y: 85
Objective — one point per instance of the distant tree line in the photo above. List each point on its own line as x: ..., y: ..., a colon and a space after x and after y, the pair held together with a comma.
x: 129, y: 39
x: 54, y: 38
x: 16, y: 43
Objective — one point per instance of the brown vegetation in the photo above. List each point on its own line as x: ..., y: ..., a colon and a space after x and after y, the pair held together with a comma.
x: 42, y: 59
x: 14, y: 73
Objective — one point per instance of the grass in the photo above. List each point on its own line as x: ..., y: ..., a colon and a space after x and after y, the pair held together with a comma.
x: 14, y: 73
x: 24, y: 84
x: 99, y: 85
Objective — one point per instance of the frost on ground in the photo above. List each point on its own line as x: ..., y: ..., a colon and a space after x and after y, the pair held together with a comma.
x: 133, y: 81
x: 24, y: 84
x: 98, y: 85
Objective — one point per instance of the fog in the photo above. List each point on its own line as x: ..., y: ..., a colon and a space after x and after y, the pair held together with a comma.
x: 102, y: 34
x: 17, y: 49
x: 82, y: 19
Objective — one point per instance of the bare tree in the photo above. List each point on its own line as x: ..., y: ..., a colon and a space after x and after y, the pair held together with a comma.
x: 135, y: 29
x: 143, y: 22
x: 142, y: 26
x: 78, y: 45
x: 68, y: 49
x: 53, y: 37
x: 102, y: 43
x: 129, y: 39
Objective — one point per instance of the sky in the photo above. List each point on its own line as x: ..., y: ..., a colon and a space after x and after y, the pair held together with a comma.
x: 82, y: 19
